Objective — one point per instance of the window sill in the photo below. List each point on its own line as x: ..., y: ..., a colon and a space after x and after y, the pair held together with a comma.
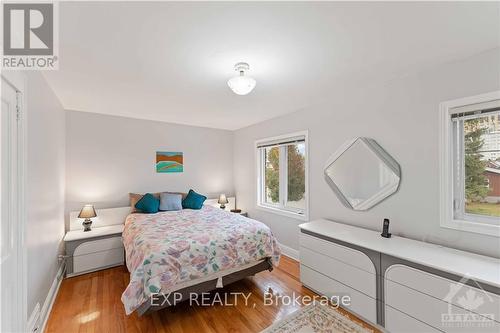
x: 282, y: 212
x: 467, y: 226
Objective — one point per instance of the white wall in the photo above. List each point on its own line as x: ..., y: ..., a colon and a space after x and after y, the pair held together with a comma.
x: 402, y: 116
x: 108, y: 156
x: 45, y: 186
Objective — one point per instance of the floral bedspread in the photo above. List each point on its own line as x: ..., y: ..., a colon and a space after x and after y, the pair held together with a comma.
x: 169, y: 248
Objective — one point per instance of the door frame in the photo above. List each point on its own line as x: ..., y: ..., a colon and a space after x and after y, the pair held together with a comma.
x: 17, y: 80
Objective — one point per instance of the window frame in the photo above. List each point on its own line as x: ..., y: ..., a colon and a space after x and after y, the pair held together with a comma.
x: 260, y: 159
x: 473, y: 223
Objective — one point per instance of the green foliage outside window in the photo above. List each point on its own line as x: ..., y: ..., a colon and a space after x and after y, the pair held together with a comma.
x: 273, y: 174
x: 296, y: 173
x: 476, y: 185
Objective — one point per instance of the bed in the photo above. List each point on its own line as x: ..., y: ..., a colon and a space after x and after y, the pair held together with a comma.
x: 191, y: 251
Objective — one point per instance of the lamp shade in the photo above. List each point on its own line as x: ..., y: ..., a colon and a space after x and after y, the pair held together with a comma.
x: 241, y: 85
x: 87, y: 212
x: 223, y: 199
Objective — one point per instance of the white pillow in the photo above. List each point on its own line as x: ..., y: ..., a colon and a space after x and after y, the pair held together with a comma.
x: 170, y: 201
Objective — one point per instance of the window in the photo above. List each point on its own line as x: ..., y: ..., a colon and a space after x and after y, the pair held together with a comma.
x: 470, y: 164
x: 282, y: 174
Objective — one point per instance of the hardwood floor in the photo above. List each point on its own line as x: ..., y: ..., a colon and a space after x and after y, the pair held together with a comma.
x: 91, y: 303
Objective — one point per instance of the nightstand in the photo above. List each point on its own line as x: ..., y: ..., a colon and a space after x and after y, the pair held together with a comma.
x: 93, y: 250
x: 242, y: 213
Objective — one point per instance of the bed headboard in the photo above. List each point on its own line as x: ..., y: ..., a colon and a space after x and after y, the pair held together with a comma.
x: 107, y: 216
x: 214, y: 203
x: 112, y: 216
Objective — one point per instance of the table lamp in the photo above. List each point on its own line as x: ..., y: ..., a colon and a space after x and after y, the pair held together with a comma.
x: 86, y: 213
x: 223, y: 201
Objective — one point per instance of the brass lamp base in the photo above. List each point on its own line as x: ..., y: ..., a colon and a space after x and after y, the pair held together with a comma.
x: 86, y: 224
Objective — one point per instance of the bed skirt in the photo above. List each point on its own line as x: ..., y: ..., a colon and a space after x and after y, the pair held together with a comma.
x: 162, y: 301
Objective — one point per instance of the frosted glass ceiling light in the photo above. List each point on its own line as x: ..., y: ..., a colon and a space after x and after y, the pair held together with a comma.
x: 241, y: 85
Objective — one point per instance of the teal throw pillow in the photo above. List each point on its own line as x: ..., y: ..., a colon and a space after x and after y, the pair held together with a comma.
x: 193, y: 200
x: 148, y: 204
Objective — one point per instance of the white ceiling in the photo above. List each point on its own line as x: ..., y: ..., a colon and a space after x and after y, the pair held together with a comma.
x: 171, y: 61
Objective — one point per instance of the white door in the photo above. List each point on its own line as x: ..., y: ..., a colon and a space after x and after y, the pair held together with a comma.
x: 10, y: 318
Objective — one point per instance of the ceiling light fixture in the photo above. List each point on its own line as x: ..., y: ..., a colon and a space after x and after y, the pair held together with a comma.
x: 241, y: 84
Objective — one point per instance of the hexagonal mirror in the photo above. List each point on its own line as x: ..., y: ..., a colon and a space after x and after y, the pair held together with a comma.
x: 362, y: 174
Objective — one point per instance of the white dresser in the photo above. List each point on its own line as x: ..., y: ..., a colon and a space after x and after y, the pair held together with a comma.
x: 401, y: 284
x: 353, y: 271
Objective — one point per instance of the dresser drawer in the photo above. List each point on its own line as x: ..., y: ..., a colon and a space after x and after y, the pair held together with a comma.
x: 99, y: 245
x: 434, y: 312
x: 361, y: 304
x: 97, y: 260
x: 444, y: 289
x: 398, y: 322
x: 347, y: 274
x: 341, y: 253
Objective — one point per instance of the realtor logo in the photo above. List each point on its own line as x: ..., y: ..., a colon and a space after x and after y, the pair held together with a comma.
x: 28, y: 29
x: 468, y: 307
x: 29, y: 36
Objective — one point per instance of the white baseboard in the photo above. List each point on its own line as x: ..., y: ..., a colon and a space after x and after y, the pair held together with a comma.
x: 290, y: 252
x: 34, y: 319
x: 39, y: 317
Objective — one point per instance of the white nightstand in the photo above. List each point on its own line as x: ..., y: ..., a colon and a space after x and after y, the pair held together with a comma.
x: 94, y: 250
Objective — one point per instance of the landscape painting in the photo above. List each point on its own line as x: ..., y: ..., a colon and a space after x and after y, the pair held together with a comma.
x: 169, y: 162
